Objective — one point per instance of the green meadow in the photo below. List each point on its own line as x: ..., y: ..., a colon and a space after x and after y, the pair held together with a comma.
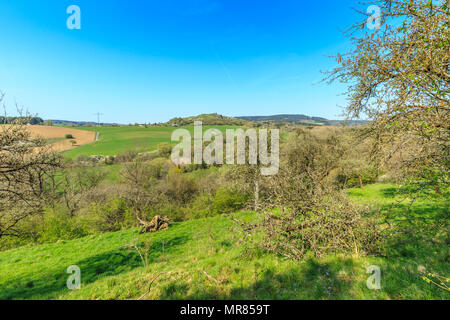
x: 206, y: 259
x: 115, y: 140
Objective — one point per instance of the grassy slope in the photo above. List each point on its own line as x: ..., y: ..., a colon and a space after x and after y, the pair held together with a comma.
x: 114, y: 140
x: 112, y: 270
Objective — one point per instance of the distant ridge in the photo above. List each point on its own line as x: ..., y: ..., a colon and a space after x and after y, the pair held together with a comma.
x: 80, y: 123
x: 285, y: 118
x: 218, y: 119
x: 299, y: 118
x: 207, y: 119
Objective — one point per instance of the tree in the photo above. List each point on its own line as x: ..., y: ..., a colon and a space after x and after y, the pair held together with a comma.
x: 248, y: 177
x: 303, y: 211
x: 74, y: 186
x: 25, y: 164
x: 398, y: 76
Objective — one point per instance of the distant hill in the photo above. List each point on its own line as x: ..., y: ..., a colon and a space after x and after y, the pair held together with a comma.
x: 286, y: 118
x: 299, y: 119
x: 217, y: 119
x: 80, y: 123
x: 207, y: 119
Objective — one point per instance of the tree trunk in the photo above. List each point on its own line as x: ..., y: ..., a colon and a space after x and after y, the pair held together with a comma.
x: 361, y: 183
x: 256, y: 194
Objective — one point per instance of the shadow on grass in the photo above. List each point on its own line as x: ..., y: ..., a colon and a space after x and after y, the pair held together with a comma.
x: 125, y: 259
x: 51, y: 283
x: 418, y: 240
x: 314, y: 280
x: 414, y: 190
x: 390, y: 192
x: 414, y: 216
x: 341, y: 279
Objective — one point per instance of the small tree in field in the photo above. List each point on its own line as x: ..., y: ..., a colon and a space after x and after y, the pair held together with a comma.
x: 398, y: 76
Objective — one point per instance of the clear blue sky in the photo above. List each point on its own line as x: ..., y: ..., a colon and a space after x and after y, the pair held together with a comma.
x: 149, y: 61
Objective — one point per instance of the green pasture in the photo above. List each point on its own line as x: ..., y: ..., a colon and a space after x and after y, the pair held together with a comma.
x: 205, y: 259
x: 115, y: 140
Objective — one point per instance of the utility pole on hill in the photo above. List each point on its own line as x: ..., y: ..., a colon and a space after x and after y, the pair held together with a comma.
x: 98, y: 114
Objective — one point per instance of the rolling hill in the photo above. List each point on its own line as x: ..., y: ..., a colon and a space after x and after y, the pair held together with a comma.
x: 207, y: 119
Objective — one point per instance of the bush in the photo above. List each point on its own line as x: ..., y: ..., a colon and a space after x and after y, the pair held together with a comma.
x: 164, y: 149
x: 193, y: 167
x: 357, y: 178
x: 60, y: 226
x: 148, y: 156
x: 201, y: 207
x: 127, y: 156
x: 224, y: 200
x: 228, y: 200
x: 82, y: 158
x: 158, y: 168
x: 179, y: 188
x: 303, y: 212
x: 335, y: 225
x: 113, y: 215
x: 69, y: 136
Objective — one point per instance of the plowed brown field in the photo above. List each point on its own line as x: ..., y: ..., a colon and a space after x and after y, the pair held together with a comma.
x: 47, y: 132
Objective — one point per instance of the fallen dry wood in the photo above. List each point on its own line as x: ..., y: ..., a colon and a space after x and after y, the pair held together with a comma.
x: 211, y: 278
x: 158, y: 223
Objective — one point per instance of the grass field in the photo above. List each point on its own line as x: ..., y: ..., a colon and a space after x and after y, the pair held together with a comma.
x: 203, y: 259
x: 115, y: 140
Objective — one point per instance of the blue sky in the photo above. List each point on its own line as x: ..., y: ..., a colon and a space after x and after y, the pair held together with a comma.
x: 149, y: 61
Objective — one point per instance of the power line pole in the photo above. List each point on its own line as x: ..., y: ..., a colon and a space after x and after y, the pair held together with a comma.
x: 98, y: 114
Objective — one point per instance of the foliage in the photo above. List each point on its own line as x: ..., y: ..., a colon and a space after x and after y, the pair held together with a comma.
x: 164, y: 150
x: 223, y: 200
x: 113, y: 215
x: 20, y: 120
x: 73, y: 188
x: 24, y: 173
x: 357, y: 166
x: 127, y: 155
x: 398, y: 77
x: 57, y: 225
x: 178, y: 187
x: 302, y: 210
x: 335, y: 225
